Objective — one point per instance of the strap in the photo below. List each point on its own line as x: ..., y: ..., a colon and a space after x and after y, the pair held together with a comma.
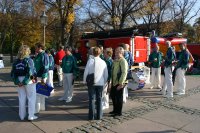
x: 94, y: 70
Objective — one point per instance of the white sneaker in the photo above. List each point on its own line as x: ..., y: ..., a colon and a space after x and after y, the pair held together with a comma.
x: 178, y: 93
x: 166, y: 96
x: 151, y: 87
x: 105, y: 107
x: 159, y: 87
x: 32, y: 118
x: 68, y: 101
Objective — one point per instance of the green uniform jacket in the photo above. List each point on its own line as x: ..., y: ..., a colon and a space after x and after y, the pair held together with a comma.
x: 153, y: 56
x: 109, y: 63
x: 170, y: 57
x: 183, y: 60
x: 69, y: 64
x: 119, y: 71
x: 42, y: 64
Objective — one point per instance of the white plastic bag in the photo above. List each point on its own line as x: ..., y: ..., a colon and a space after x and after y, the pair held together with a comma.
x: 1, y: 64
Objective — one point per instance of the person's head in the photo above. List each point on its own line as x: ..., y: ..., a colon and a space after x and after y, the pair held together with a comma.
x: 168, y: 43
x: 48, y: 51
x: 174, y: 48
x: 108, y: 52
x: 182, y: 46
x: 125, y: 46
x: 68, y: 50
x: 61, y: 47
x: 90, y: 52
x: 156, y: 49
x: 96, y: 51
x: 24, y: 51
x: 119, y: 52
x: 39, y: 47
x: 76, y: 50
x: 101, y: 48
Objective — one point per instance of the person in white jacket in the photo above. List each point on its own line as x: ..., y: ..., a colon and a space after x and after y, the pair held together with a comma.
x: 97, y: 66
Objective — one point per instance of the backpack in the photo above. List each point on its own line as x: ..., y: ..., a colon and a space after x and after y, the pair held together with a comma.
x: 129, y: 58
x: 20, y: 67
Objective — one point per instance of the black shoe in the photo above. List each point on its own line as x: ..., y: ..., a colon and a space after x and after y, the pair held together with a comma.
x: 119, y: 114
x: 115, y: 115
x: 112, y: 112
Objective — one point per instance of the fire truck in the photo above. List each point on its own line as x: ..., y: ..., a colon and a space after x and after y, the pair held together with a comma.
x: 139, y: 45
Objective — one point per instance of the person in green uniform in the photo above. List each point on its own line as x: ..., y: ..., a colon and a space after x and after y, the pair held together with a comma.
x: 78, y: 57
x: 42, y: 67
x: 167, y: 90
x: 155, y: 60
x: 51, y: 69
x: 69, y: 67
x: 182, y: 65
x: 101, y: 55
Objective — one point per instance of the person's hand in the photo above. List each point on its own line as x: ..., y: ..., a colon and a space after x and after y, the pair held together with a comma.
x: 42, y: 81
x: 119, y: 87
x: 149, y: 62
x: 20, y: 84
x: 175, y: 62
x: 34, y: 79
x: 60, y: 62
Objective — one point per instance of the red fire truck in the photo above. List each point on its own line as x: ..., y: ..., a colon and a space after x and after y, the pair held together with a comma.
x: 139, y: 45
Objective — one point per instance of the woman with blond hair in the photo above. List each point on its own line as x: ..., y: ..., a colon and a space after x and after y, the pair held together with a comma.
x: 98, y: 67
x: 24, y: 76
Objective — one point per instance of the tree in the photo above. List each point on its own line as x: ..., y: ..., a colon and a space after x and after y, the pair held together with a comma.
x: 65, y: 9
x: 112, y: 14
x: 182, y: 10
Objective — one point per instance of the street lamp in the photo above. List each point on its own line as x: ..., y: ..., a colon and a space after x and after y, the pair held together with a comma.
x: 43, y: 19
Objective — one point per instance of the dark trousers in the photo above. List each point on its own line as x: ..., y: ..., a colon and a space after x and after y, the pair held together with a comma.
x: 95, y: 102
x: 117, y: 99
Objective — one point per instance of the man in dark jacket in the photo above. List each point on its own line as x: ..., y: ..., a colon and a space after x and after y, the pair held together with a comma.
x: 182, y: 65
x: 169, y: 60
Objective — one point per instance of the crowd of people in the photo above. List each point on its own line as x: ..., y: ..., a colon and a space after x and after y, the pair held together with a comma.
x: 174, y: 69
x: 106, y: 75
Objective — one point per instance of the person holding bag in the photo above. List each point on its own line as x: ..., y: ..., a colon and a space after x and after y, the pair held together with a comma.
x: 42, y: 67
x: 108, y: 59
x: 98, y: 67
x: 118, y: 79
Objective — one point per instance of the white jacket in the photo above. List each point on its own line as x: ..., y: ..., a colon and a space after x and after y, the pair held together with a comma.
x: 99, y: 69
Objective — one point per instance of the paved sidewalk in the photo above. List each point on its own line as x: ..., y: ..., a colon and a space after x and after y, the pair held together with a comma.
x: 146, y: 111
